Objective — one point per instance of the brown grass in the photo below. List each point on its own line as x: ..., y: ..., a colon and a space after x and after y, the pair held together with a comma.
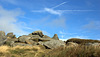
x: 40, y: 51
x: 82, y: 41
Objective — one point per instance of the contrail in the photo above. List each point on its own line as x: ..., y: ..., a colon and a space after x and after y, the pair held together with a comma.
x: 58, y: 5
x: 75, y: 10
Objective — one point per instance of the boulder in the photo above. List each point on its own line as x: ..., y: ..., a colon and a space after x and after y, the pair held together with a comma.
x: 10, y: 41
x: 55, y: 37
x: 34, y: 36
x: 31, y: 42
x: 71, y: 44
x: 20, y: 44
x: 37, y: 33
x: 54, y: 44
x: 23, y: 38
x: 45, y: 36
x: 3, y: 38
x: 10, y: 35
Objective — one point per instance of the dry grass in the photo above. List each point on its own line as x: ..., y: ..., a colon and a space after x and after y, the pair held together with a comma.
x: 39, y: 51
x: 82, y: 41
x: 3, y: 49
x: 20, y: 51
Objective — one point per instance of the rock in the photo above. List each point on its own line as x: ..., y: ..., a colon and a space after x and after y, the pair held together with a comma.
x: 55, y: 37
x: 34, y: 36
x: 20, y: 44
x: 23, y: 38
x: 45, y: 36
x: 10, y: 35
x: 71, y: 44
x: 54, y: 44
x: 45, y: 39
x: 37, y: 33
x: 31, y: 42
x: 3, y: 38
x: 9, y: 41
x: 40, y: 43
x: 2, y: 33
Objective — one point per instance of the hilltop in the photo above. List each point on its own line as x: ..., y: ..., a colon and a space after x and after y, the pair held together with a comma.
x: 36, y: 44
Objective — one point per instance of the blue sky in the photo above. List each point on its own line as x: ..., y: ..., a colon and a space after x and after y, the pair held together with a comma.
x: 67, y: 18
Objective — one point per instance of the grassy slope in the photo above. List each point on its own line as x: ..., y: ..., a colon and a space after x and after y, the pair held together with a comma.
x: 40, y: 51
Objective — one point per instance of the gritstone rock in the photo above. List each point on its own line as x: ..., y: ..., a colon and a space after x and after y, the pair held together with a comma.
x: 55, y: 37
x: 37, y: 33
x: 10, y: 35
x: 2, y: 37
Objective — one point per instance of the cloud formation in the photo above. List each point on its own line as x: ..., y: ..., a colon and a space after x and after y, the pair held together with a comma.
x: 92, y: 25
x: 8, y: 21
x: 53, y: 11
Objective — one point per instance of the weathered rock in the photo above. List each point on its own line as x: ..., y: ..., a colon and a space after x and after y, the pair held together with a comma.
x: 20, y: 44
x: 55, y: 37
x: 71, y: 44
x: 34, y: 36
x: 10, y: 41
x: 38, y: 33
x: 2, y: 33
x: 45, y: 36
x: 10, y: 35
x: 45, y: 39
x: 54, y: 44
x: 40, y: 43
x: 3, y: 38
x: 23, y: 38
x: 31, y: 42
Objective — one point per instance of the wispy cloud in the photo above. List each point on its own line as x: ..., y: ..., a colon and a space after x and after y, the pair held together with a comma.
x: 8, y: 21
x: 53, y: 11
x: 92, y: 25
x: 59, y: 5
x: 51, y: 23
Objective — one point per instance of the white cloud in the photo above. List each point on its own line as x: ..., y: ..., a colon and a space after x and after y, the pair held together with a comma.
x: 8, y: 21
x: 52, y: 11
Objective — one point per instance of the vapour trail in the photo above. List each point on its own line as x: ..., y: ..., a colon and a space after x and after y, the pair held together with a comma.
x: 58, y: 5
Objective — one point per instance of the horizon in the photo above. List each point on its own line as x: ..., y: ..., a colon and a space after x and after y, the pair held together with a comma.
x: 67, y: 18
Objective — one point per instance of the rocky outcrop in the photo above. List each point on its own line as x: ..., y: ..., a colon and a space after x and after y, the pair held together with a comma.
x: 45, y: 36
x: 37, y: 33
x: 55, y: 37
x: 23, y: 38
x: 72, y: 44
x: 10, y: 41
x: 3, y: 38
x: 35, y: 38
x: 11, y: 35
x: 54, y: 44
x: 20, y: 44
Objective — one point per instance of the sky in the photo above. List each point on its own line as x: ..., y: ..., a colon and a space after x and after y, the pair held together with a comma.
x: 67, y: 18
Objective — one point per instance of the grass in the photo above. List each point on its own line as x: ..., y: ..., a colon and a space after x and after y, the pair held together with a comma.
x: 40, y: 51
x: 77, y: 51
x: 82, y: 41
